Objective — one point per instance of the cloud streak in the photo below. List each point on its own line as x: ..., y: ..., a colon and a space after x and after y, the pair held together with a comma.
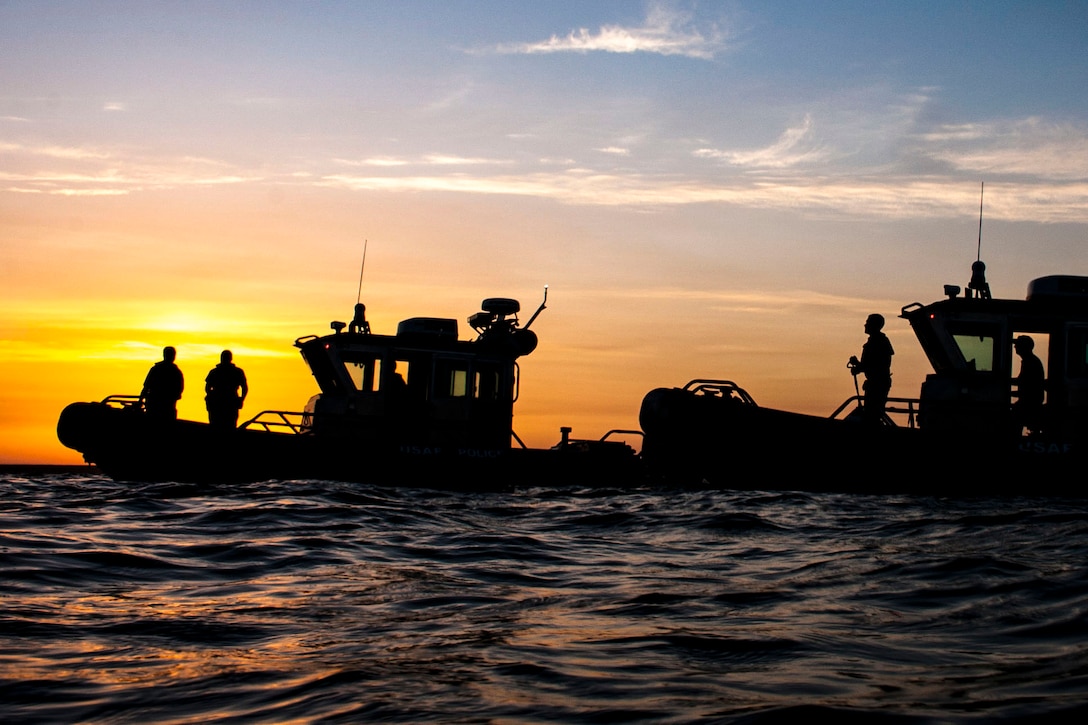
x: 1037, y: 170
x: 789, y: 150
x: 664, y: 32
x: 1030, y: 147
x: 882, y: 196
x: 53, y: 151
x: 924, y: 173
x: 96, y: 172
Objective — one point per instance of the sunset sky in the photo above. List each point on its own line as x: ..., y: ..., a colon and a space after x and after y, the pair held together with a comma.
x: 710, y: 189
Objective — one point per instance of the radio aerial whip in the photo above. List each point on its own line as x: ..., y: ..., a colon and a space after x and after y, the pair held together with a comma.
x: 359, y: 323
x: 978, y: 283
x: 362, y: 268
x: 978, y: 255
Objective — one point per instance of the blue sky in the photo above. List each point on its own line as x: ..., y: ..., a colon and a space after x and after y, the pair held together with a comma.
x: 707, y: 186
x: 717, y: 94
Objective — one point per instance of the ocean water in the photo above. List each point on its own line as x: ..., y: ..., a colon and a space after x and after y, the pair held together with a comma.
x: 326, y: 602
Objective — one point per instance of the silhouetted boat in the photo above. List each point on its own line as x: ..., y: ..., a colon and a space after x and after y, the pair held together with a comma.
x: 419, y: 408
x: 958, y: 437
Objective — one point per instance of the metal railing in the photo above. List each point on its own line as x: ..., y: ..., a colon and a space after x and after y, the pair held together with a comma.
x: 281, y: 421
x: 897, y: 407
x: 122, y: 401
x: 621, y: 432
x: 720, y: 389
x: 268, y: 420
x: 565, y: 438
x: 894, y: 406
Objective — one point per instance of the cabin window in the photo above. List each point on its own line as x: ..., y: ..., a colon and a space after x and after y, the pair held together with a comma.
x: 400, y: 377
x: 452, y: 379
x: 459, y: 384
x: 487, y: 383
x: 365, y: 373
x: 977, y: 351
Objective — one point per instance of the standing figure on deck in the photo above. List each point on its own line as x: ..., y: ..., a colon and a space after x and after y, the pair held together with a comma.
x: 876, y: 364
x: 1027, y: 411
x: 162, y: 387
x: 221, y: 389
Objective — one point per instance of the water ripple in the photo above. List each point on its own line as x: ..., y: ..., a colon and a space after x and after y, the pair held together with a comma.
x: 319, y: 601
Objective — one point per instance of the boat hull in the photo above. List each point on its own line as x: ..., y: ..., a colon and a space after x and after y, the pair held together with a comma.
x: 127, y: 445
x: 723, y: 442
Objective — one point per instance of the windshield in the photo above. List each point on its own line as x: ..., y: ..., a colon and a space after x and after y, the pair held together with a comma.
x: 977, y: 350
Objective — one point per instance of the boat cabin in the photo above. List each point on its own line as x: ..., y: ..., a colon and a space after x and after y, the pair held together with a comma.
x: 969, y: 339
x: 422, y: 387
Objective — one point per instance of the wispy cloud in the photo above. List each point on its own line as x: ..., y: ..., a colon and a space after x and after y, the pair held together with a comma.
x: 765, y: 302
x: 89, y: 192
x: 665, y: 31
x: 452, y: 160
x: 95, y: 172
x: 792, y: 148
x: 884, y: 196
x: 917, y: 173
x: 1025, y: 147
x: 426, y: 160
x: 53, y: 151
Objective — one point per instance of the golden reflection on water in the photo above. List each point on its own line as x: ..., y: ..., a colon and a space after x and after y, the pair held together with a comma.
x: 125, y: 664
x: 123, y: 652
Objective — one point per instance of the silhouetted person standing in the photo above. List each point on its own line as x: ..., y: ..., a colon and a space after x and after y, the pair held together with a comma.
x: 876, y: 364
x: 1027, y: 411
x: 162, y: 387
x: 221, y: 389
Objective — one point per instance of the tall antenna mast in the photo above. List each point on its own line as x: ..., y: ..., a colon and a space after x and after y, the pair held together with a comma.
x: 978, y: 255
x: 362, y: 268
x: 978, y: 286
x: 359, y: 323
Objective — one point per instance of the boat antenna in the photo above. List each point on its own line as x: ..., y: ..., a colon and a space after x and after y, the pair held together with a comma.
x: 362, y: 268
x: 543, y: 306
x: 982, y: 190
x: 978, y: 286
x: 358, y: 322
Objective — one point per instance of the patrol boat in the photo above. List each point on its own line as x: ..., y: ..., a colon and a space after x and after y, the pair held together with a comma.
x: 959, y: 436
x: 420, y: 408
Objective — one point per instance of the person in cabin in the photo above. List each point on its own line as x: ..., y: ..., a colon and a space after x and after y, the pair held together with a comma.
x: 1027, y: 411
x: 876, y: 365
x: 162, y: 387
x: 225, y: 391
x: 396, y: 387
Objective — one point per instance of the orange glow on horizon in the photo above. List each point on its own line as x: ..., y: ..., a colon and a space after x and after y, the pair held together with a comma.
x: 596, y: 360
